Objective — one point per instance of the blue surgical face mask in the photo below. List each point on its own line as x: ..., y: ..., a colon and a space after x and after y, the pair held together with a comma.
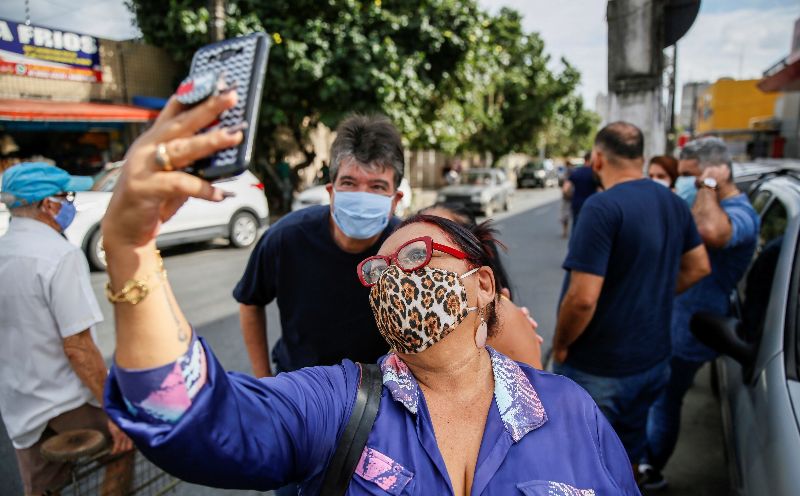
x: 686, y: 189
x: 361, y: 215
x: 66, y: 215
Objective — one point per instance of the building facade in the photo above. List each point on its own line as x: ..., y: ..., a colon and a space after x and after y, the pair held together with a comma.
x: 783, y: 78
x: 743, y: 115
x: 76, y: 100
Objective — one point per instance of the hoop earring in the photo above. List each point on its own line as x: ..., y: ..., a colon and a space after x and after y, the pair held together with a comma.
x: 482, y: 330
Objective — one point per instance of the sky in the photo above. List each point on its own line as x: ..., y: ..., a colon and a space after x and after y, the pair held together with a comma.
x: 730, y: 38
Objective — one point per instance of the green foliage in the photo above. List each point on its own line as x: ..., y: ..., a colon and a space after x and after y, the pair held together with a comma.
x: 571, y: 129
x: 449, y: 75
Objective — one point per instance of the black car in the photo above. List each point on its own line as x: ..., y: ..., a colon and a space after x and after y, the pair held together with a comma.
x: 537, y: 175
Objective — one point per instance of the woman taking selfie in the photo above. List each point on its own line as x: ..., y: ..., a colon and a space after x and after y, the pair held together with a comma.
x: 454, y: 417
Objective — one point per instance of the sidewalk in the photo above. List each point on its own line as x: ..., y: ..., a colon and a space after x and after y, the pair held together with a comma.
x: 698, y: 468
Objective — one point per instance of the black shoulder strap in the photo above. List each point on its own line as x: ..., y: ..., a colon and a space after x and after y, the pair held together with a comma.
x: 354, y: 438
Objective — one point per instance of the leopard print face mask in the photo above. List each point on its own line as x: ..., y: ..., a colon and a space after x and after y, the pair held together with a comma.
x: 416, y: 310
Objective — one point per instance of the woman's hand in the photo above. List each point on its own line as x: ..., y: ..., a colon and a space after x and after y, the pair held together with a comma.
x: 154, y: 331
x: 146, y: 194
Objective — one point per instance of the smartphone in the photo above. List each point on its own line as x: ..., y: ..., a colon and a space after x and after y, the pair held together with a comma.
x: 242, y: 63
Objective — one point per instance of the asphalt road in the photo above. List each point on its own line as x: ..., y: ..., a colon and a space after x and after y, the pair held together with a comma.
x: 204, y: 275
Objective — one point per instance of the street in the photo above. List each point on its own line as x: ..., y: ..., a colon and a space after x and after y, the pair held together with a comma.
x: 204, y: 275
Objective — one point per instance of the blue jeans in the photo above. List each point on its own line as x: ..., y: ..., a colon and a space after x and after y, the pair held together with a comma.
x: 664, y: 421
x: 625, y: 401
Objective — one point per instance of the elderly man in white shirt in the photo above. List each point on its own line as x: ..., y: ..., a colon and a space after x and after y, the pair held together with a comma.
x: 51, y: 371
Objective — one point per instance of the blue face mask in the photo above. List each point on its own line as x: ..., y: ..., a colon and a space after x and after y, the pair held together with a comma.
x: 685, y: 188
x: 361, y: 215
x: 66, y: 215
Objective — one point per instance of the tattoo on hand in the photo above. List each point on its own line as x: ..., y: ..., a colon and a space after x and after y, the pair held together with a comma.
x: 182, y: 337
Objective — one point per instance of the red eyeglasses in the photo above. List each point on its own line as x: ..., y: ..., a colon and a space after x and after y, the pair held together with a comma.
x: 411, y: 256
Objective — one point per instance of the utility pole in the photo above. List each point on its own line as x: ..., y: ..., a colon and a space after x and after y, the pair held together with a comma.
x: 671, y: 131
x: 635, y: 69
x: 638, y: 31
x: 216, y: 10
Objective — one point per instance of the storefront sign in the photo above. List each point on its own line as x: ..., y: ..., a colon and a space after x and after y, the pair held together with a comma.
x: 35, y: 51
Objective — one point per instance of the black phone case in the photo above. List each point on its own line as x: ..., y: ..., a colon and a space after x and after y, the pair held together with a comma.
x: 243, y: 63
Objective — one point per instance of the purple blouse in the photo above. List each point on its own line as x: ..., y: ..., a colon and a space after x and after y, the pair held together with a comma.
x: 544, y: 435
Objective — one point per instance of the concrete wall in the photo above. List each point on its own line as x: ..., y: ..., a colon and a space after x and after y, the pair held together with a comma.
x: 635, y: 69
x: 645, y: 110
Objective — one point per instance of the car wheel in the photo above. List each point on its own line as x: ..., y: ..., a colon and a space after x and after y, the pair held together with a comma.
x: 95, y: 253
x: 243, y: 230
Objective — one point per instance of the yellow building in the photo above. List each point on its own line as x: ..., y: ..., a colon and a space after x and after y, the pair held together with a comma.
x: 731, y: 105
x: 741, y: 114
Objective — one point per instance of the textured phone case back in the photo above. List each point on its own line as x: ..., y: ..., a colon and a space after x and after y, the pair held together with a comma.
x: 236, y: 59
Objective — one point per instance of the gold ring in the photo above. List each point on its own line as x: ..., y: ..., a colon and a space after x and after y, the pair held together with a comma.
x: 162, y: 158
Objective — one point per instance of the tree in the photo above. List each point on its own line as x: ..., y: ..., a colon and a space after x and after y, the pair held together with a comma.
x: 571, y: 128
x: 332, y: 58
x: 518, y: 93
x: 449, y: 75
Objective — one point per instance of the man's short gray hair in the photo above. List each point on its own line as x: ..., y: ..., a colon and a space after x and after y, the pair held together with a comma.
x: 372, y: 141
x: 707, y: 151
x: 28, y: 211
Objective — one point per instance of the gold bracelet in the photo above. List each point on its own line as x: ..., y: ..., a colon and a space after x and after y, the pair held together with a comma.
x: 134, y: 290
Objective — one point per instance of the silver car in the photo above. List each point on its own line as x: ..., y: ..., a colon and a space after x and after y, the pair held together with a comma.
x: 481, y: 190
x: 758, y: 374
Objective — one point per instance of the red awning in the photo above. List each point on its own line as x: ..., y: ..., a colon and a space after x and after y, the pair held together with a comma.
x: 784, y: 76
x: 50, y: 111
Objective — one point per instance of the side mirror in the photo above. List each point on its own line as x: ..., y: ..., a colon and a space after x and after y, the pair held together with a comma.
x: 722, y: 334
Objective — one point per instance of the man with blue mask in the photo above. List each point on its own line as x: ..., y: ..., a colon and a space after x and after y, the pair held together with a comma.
x: 51, y: 372
x: 728, y: 226
x: 634, y: 246
x: 308, y: 259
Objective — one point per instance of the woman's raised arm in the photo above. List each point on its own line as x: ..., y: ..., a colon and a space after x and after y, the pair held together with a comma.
x: 154, y: 331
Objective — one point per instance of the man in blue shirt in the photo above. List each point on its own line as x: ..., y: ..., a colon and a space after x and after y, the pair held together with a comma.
x: 582, y: 185
x: 728, y: 225
x: 633, y: 247
x: 308, y: 259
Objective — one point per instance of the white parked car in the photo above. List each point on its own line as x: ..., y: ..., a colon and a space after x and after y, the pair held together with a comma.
x: 3, y: 219
x: 318, y: 195
x: 480, y: 190
x: 237, y: 218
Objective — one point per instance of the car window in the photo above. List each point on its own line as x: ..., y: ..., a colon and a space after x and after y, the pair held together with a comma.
x: 759, y: 200
x: 107, y: 181
x: 793, y: 322
x: 478, y: 179
x: 756, y: 286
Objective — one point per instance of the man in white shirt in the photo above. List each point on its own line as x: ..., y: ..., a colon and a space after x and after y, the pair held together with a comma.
x: 51, y: 371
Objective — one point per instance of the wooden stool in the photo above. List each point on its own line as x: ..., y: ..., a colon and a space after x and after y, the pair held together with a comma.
x: 72, y: 445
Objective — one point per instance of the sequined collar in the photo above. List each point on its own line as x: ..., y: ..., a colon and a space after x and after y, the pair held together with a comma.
x: 517, y: 401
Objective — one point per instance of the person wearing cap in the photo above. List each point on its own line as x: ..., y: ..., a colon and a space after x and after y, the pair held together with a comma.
x: 51, y: 371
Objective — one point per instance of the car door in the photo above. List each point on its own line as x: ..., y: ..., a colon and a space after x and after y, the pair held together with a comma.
x: 498, y: 188
x: 758, y: 418
x: 198, y: 214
